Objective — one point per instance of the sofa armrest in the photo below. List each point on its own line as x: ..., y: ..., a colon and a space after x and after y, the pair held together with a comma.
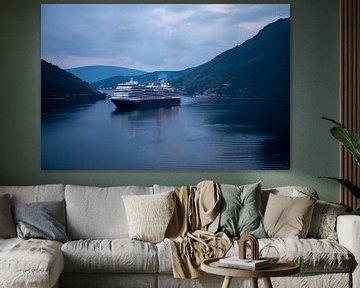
x: 348, y: 230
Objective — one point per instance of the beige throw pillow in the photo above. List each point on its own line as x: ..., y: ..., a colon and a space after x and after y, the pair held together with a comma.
x: 7, y: 226
x: 288, y: 217
x: 148, y: 215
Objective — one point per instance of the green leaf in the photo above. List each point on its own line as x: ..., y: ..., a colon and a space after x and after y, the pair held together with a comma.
x: 355, y: 211
x: 347, y: 184
x: 348, y: 138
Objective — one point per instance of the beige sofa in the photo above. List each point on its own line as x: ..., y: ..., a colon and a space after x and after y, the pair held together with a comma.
x: 101, y: 254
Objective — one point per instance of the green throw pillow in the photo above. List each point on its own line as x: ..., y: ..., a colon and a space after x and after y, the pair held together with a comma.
x: 240, y: 213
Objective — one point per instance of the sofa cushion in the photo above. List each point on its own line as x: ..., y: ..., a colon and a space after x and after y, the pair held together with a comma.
x: 287, y: 216
x: 313, y: 255
x: 323, y: 222
x: 36, y: 193
x: 7, y: 226
x: 30, y: 263
x: 240, y: 210
x: 98, y: 213
x: 149, y: 215
x: 117, y: 255
x: 291, y: 191
x: 164, y: 257
x: 43, y: 220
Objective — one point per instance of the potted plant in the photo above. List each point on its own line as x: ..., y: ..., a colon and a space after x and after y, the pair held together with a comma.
x: 351, y: 141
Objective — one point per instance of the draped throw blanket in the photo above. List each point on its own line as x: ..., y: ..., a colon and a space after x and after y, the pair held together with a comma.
x: 191, y: 231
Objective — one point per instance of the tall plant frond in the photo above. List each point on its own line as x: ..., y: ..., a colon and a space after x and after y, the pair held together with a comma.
x: 348, y: 138
x: 347, y: 184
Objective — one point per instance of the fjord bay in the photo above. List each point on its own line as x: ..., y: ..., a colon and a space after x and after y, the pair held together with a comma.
x: 202, y: 133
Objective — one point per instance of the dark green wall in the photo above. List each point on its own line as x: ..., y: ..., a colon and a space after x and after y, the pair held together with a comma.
x: 314, y: 93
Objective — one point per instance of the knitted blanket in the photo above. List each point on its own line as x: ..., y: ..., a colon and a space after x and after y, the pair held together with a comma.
x: 191, y: 232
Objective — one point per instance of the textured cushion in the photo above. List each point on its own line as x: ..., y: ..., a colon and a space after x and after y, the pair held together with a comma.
x: 240, y: 210
x: 149, y: 215
x: 98, y: 213
x: 323, y: 222
x: 30, y: 263
x: 44, y: 220
x: 313, y: 255
x: 36, y: 193
x: 117, y: 255
x: 287, y: 216
x: 7, y: 227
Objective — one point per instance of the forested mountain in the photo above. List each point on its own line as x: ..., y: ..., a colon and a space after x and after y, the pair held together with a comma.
x: 57, y: 82
x: 143, y: 79
x: 259, y: 66
x: 98, y: 72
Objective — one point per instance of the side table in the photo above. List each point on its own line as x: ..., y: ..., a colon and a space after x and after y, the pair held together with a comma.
x: 281, y: 268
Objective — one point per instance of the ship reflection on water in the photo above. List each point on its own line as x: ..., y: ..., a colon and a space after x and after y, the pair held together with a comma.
x: 202, y: 133
x: 134, y: 117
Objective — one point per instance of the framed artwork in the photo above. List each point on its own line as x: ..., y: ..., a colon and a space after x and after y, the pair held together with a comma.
x: 165, y: 86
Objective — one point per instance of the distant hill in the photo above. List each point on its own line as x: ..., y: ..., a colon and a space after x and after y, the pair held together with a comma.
x: 99, y: 72
x: 143, y: 79
x: 58, y: 82
x: 259, y: 66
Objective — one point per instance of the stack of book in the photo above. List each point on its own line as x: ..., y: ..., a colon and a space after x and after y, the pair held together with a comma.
x: 248, y: 264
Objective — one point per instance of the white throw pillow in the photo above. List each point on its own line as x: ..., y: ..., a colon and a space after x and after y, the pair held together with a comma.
x: 149, y: 215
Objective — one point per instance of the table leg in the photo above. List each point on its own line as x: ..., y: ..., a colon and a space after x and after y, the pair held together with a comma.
x: 254, y: 282
x: 227, y: 282
x: 267, y: 283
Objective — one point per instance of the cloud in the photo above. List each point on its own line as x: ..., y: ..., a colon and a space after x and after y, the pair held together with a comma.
x: 148, y: 36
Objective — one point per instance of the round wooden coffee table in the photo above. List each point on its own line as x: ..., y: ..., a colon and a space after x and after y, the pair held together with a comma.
x: 281, y: 268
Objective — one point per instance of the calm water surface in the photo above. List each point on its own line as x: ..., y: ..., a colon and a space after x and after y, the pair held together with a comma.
x: 202, y: 133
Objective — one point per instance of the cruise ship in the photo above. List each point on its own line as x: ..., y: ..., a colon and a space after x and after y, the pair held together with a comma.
x: 132, y: 95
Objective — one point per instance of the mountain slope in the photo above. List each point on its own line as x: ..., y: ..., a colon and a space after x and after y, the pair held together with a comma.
x: 259, y: 66
x: 98, y: 72
x: 144, y: 78
x: 57, y: 82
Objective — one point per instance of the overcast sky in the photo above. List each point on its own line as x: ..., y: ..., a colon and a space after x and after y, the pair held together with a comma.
x: 148, y: 37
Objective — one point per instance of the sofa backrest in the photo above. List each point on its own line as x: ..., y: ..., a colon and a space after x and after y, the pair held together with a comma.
x: 98, y: 212
x: 36, y: 193
x: 163, y: 188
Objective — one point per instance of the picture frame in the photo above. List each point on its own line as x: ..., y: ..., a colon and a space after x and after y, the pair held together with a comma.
x: 165, y: 86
